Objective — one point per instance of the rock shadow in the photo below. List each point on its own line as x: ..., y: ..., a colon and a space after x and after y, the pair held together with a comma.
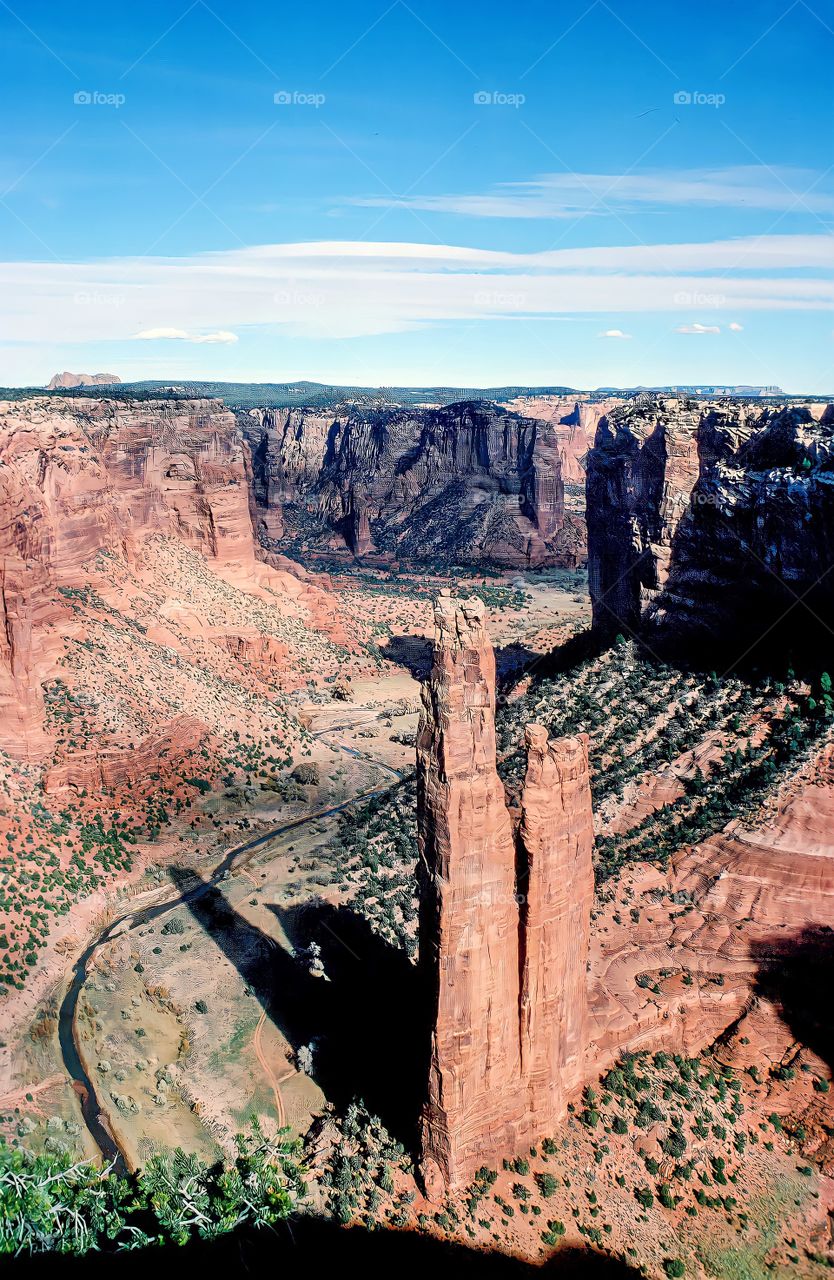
x: 367, y: 1021
x: 414, y: 653
x: 316, y: 1246
x: 797, y: 975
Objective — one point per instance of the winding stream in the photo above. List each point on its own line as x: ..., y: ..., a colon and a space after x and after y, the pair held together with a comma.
x: 93, y: 1114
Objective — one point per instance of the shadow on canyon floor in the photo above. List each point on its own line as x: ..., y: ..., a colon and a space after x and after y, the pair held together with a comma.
x: 367, y: 1025
x: 512, y: 661
x: 797, y: 975
x: 316, y: 1246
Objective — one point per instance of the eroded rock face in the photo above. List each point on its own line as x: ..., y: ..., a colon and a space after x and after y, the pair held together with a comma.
x: 503, y: 948
x: 574, y: 420
x: 556, y: 839
x: 750, y: 558
x: 640, y: 474
x: 82, y: 478
x: 709, y: 523
x: 469, y: 483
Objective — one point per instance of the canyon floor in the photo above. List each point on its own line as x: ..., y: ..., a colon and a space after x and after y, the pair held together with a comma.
x: 170, y: 1020
x: 278, y: 989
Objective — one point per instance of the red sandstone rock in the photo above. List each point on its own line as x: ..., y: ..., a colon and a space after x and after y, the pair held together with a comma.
x: 469, y: 914
x: 96, y: 770
x: 506, y: 982
x: 464, y: 483
x: 556, y: 838
x: 83, y: 479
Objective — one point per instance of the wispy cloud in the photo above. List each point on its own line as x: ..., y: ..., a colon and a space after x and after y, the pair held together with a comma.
x: 613, y: 333
x: 343, y: 289
x: 568, y: 195
x: 698, y: 328
x: 180, y: 335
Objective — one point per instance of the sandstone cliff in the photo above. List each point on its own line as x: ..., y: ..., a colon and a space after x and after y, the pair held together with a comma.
x: 574, y: 420
x: 709, y: 523
x: 640, y: 474
x: 750, y: 560
x: 469, y: 483
x: 503, y: 929
x: 83, y: 479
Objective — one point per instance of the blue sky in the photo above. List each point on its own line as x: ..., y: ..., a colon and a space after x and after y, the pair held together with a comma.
x: 582, y: 193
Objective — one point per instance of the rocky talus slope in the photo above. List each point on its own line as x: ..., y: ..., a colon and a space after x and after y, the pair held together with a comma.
x: 470, y: 484
x: 503, y: 944
x: 86, y: 479
x: 713, y: 524
x: 151, y: 658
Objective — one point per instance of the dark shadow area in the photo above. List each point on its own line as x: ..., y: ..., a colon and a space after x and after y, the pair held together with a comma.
x: 512, y: 661
x: 366, y: 1022
x: 413, y: 652
x: 317, y: 1247
x: 797, y: 975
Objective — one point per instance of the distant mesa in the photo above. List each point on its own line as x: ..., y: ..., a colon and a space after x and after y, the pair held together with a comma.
x: 62, y: 380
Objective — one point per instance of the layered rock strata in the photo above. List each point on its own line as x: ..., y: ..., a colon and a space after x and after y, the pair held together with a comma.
x: 87, y: 483
x: 708, y: 524
x: 468, y: 483
x: 504, y: 916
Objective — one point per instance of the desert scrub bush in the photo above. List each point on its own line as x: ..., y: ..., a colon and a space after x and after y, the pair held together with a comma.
x: 48, y: 1203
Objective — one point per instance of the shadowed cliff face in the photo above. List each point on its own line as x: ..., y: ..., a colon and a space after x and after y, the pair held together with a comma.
x: 470, y: 483
x: 712, y: 527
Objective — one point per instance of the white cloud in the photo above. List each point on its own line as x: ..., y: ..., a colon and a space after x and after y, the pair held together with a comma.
x: 345, y: 289
x: 613, y: 333
x: 697, y: 328
x: 180, y: 335
x: 735, y: 327
x: 566, y: 195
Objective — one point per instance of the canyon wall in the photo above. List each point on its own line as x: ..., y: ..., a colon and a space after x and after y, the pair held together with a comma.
x: 640, y: 474
x: 708, y: 523
x: 574, y: 420
x: 82, y: 480
x: 504, y: 915
x: 470, y: 483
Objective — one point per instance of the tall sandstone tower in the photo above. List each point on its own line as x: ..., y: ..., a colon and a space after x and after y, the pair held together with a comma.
x: 504, y: 916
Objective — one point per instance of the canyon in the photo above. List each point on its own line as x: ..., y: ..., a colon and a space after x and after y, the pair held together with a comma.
x: 606, y: 860
x: 467, y: 484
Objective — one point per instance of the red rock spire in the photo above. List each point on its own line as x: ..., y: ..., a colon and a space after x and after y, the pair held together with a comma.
x: 503, y: 948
